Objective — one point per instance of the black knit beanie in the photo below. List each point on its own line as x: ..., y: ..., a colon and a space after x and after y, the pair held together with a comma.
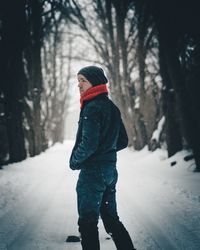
x: 94, y: 75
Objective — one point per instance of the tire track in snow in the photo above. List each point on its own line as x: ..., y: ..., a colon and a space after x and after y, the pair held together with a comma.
x: 159, y: 222
x: 15, y: 221
x: 47, y: 228
x: 179, y: 228
x: 16, y: 216
x: 166, y: 230
x: 147, y: 233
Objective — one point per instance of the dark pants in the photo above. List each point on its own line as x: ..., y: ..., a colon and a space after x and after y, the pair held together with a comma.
x: 96, y: 194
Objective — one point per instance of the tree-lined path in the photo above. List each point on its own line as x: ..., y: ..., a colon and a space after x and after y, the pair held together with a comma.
x: 152, y: 63
x: 150, y: 52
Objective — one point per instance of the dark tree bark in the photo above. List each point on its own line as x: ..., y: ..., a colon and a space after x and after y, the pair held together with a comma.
x: 22, y: 26
x: 35, y: 133
x: 192, y: 79
x: 170, y: 109
x: 13, y: 42
x: 173, y: 33
x: 141, y: 52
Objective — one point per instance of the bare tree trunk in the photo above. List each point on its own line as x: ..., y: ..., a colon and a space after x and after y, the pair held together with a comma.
x: 35, y: 133
x: 192, y: 127
x: 121, y: 90
x: 13, y: 41
x: 192, y: 80
x: 56, y: 79
x: 170, y: 104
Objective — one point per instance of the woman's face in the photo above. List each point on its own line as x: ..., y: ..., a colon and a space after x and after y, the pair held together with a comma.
x: 83, y: 84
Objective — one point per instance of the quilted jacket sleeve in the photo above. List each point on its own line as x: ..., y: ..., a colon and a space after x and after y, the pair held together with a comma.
x: 122, y: 141
x: 89, y: 141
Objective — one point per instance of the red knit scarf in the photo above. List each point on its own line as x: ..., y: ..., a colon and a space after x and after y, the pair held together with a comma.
x: 93, y: 92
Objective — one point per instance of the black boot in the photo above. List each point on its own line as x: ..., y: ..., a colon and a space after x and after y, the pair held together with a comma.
x: 89, y: 236
x: 121, y: 237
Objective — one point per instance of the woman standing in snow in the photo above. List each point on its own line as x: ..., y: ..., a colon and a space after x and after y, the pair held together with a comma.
x: 100, y: 135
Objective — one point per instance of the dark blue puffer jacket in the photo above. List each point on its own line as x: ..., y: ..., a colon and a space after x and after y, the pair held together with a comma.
x: 100, y: 134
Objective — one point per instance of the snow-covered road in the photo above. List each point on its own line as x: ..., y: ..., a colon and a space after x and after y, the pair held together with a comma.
x: 159, y: 204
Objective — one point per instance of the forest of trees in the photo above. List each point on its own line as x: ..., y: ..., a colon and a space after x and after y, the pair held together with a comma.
x: 150, y: 51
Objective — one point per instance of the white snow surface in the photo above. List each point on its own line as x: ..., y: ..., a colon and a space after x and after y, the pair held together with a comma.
x: 158, y: 204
